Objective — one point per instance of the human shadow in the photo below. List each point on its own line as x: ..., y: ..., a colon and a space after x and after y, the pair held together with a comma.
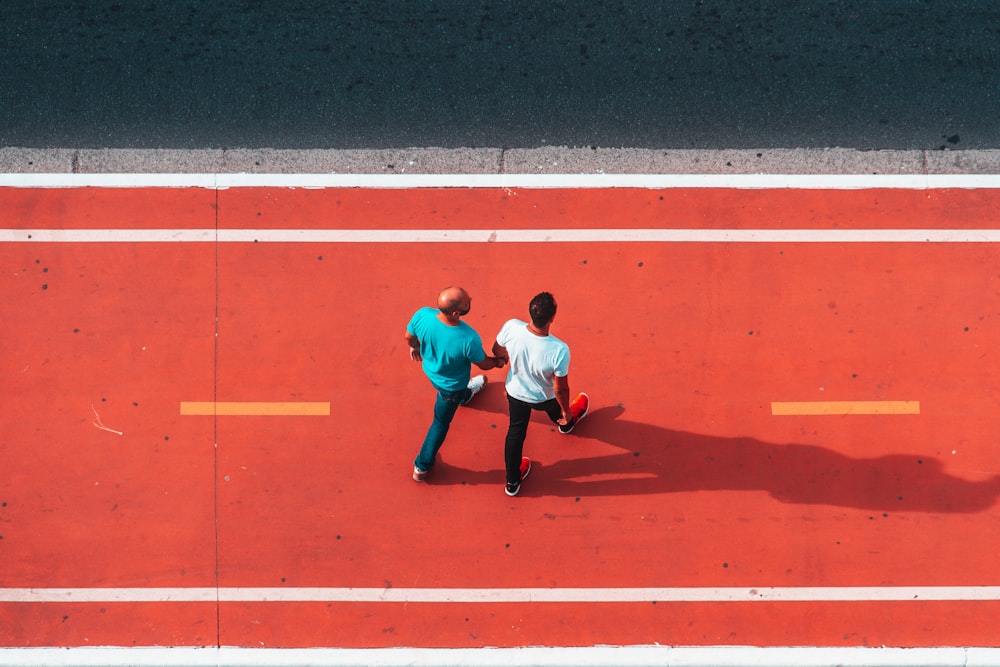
x: 657, y: 460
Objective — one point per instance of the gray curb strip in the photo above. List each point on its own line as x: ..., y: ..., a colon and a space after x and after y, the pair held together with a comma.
x: 547, y: 160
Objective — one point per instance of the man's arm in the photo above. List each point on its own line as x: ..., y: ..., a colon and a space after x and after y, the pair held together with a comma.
x: 561, y: 385
x: 491, y: 362
x: 414, y: 344
x: 500, y: 351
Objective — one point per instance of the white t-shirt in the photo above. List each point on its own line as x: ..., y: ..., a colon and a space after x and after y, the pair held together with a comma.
x: 534, y: 362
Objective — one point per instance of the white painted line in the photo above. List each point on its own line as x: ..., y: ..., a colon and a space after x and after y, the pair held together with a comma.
x: 644, y: 181
x: 507, y: 595
x: 109, y: 595
x: 500, y: 236
x: 107, y: 235
x: 108, y: 180
x: 589, y: 656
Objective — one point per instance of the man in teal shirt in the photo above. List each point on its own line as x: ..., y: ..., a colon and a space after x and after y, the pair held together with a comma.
x: 447, y: 348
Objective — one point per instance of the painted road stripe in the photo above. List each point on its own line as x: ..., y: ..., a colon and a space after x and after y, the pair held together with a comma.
x: 500, y: 235
x: 644, y: 181
x: 255, y: 409
x: 538, y: 656
x: 506, y: 595
x: 846, y: 408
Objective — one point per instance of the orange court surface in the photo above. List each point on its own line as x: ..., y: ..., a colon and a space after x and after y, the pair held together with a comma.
x: 210, y: 418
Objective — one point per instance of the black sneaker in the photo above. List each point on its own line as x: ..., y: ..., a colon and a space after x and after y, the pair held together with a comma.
x: 513, y: 489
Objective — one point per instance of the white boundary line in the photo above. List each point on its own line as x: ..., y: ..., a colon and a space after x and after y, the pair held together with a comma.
x: 617, y: 656
x: 647, y: 181
x: 499, y: 236
x: 506, y: 595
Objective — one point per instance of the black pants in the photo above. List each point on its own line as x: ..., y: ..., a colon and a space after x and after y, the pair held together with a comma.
x: 520, y: 415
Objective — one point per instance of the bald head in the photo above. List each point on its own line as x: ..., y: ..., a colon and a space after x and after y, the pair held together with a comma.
x: 454, y: 301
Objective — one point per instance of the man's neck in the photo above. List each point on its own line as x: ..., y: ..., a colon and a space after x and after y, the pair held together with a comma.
x: 448, y: 319
x: 538, y: 331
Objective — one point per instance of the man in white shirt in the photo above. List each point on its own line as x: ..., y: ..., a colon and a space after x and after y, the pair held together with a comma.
x: 538, y: 379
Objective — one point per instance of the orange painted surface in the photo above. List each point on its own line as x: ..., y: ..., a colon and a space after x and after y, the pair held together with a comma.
x: 670, y: 624
x: 458, y: 208
x: 679, y: 477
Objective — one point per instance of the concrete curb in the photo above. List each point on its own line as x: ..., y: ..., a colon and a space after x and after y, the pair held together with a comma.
x: 549, y: 160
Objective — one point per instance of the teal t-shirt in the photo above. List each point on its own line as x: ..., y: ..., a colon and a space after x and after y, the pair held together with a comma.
x: 447, y: 351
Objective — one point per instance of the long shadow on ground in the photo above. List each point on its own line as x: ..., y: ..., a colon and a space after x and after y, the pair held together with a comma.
x: 657, y: 460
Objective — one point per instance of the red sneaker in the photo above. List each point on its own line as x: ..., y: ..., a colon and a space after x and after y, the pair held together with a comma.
x: 513, y: 489
x: 578, y: 410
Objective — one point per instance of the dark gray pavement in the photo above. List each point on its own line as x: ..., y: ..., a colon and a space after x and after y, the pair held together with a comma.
x: 695, y: 74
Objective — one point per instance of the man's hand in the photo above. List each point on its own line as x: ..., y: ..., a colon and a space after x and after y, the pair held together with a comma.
x: 500, y: 352
x: 561, y: 385
x: 414, y: 344
x: 490, y: 362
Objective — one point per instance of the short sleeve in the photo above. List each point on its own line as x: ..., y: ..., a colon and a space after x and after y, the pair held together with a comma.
x: 475, y: 351
x: 412, y: 327
x: 562, y: 362
x: 504, y: 336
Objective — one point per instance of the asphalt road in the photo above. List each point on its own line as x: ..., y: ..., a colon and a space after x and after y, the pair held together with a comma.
x: 901, y: 74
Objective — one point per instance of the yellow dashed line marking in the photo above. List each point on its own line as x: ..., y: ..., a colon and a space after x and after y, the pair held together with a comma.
x: 255, y: 409
x: 846, y: 408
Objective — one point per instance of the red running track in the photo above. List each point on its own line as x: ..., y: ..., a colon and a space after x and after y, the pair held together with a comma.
x: 253, y: 530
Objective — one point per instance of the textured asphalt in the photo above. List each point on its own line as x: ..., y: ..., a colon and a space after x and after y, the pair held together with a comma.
x: 370, y: 74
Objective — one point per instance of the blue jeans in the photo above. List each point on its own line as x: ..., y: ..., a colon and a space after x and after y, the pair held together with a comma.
x: 444, y: 411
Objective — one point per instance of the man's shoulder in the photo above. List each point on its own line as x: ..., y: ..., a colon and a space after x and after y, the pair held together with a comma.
x: 467, y: 329
x: 558, y: 344
x: 424, y: 313
x: 556, y: 339
x: 512, y: 326
x: 422, y: 318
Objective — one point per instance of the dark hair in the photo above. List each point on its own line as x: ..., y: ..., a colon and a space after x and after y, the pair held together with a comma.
x: 542, y: 309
